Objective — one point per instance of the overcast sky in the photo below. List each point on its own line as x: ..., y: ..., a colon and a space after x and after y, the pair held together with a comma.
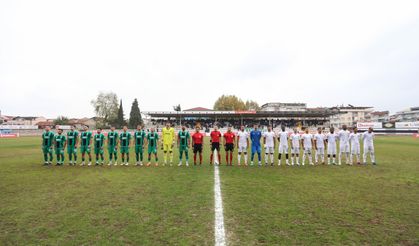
x: 56, y: 56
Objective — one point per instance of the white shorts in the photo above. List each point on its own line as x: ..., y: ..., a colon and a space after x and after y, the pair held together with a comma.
x: 243, y: 148
x: 283, y: 149
x: 307, y: 150
x: 320, y: 150
x: 368, y: 148
x: 355, y: 149
x: 295, y: 150
x: 331, y: 149
x: 344, y: 148
x: 269, y: 150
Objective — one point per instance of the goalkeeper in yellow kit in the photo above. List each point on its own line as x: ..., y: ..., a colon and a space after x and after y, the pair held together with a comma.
x: 168, y: 136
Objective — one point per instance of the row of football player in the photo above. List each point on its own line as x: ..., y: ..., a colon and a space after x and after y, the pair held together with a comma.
x: 349, y: 145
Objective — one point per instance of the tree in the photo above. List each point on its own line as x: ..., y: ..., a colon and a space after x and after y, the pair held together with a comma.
x: 106, y: 108
x: 177, y: 108
x: 135, y: 115
x: 61, y: 120
x: 252, y: 105
x: 120, y: 121
x: 229, y: 102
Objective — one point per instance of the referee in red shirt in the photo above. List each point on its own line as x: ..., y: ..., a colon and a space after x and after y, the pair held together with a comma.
x: 229, y: 137
x: 215, y: 143
x: 197, y: 140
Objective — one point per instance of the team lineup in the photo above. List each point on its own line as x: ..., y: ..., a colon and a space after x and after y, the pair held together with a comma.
x: 322, y: 145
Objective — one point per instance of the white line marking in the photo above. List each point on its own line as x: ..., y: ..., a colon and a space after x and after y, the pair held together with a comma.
x: 220, y: 237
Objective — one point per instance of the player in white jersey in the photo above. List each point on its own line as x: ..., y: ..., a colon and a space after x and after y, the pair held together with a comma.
x: 354, y: 140
x: 343, y: 136
x: 331, y: 146
x: 243, y: 143
x: 307, y: 143
x: 269, y: 142
x: 319, y: 139
x: 368, y: 138
x: 295, y: 147
x: 283, y: 146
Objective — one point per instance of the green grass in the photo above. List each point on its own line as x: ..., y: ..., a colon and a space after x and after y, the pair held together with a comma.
x: 170, y: 205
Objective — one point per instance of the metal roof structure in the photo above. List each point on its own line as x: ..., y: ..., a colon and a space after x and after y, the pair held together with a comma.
x: 309, y: 113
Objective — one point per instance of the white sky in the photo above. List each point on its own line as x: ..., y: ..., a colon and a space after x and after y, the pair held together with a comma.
x: 55, y: 56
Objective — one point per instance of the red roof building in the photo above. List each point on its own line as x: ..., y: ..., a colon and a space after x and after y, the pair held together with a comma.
x: 198, y: 109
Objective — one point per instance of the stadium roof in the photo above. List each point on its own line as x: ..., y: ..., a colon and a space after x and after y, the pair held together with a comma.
x: 352, y: 107
x: 317, y: 113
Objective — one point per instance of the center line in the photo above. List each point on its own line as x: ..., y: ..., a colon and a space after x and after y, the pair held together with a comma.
x: 220, y: 237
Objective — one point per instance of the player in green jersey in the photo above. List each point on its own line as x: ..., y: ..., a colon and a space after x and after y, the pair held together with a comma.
x: 183, y: 141
x: 113, y: 146
x: 99, y: 141
x: 72, y: 141
x: 85, y: 142
x: 47, y: 141
x: 59, y: 143
x: 153, y: 142
x: 139, y: 137
x: 124, y: 141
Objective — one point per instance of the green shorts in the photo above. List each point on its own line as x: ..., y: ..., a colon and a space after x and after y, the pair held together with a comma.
x: 59, y: 151
x: 152, y: 150
x: 139, y: 149
x: 112, y: 149
x: 71, y: 150
x: 124, y: 149
x: 85, y: 149
x: 98, y: 151
x: 46, y: 150
x: 183, y: 148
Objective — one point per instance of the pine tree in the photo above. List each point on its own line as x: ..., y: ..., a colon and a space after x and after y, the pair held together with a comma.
x: 135, y: 115
x: 120, y: 122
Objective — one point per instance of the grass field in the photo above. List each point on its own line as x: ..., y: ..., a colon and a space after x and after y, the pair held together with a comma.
x: 375, y: 205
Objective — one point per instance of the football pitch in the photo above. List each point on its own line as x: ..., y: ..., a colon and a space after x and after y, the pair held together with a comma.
x: 373, y: 205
